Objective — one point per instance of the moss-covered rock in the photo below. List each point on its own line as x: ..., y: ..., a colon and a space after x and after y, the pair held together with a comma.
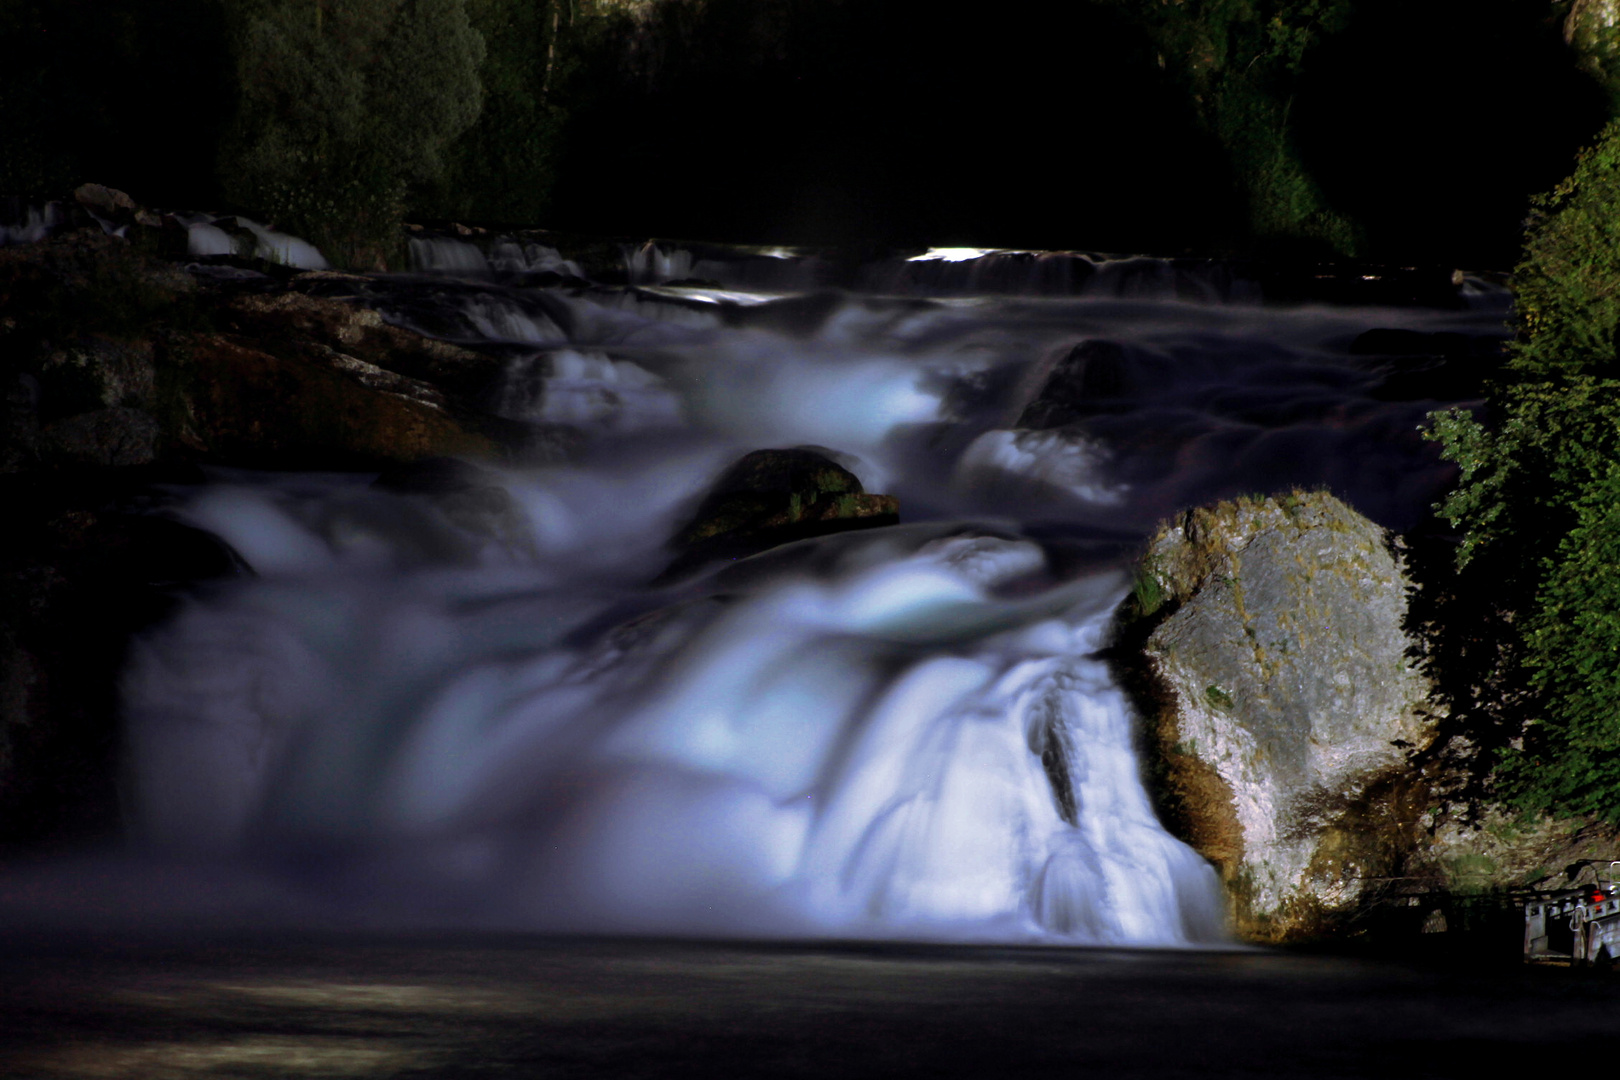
x: 772, y: 497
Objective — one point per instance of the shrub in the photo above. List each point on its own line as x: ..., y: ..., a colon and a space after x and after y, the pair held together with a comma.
x: 1567, y: 286
x: 1538, y: 503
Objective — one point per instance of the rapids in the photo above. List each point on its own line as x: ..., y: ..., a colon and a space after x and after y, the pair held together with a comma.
x: 898, y: 733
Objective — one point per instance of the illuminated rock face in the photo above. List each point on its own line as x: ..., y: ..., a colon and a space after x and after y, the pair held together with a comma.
x: 1288, y: 703
x: 1592, y: 29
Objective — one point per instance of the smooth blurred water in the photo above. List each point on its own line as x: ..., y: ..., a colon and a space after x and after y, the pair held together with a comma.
x: 901, y: 733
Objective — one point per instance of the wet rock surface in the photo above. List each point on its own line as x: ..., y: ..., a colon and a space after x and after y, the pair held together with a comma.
x: 773, y: 497
x: 116, y: 351
x: 1282, y: 703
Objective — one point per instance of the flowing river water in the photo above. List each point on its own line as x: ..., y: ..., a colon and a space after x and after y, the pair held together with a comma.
x: 514, y: 719
x: 409, y: 720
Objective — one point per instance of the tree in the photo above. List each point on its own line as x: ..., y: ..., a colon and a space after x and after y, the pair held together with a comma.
x: 344, y: 104
x: 504, y: 166
x: 1592, y: 29
x: 1240, y: 61
x: 1538, y: 503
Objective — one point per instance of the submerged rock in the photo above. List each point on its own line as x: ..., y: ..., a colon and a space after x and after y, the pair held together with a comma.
x: 1088, y: 379
x: 1281, y: 703
x: 470, y: 498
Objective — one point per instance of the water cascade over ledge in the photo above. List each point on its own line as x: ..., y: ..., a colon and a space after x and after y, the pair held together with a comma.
x: 517, y: 718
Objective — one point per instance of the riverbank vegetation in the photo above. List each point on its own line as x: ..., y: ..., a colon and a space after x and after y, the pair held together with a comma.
x: 1538, y: 505
x: 343, y: 106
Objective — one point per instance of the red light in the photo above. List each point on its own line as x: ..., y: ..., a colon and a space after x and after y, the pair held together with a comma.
x: 1598, y: 898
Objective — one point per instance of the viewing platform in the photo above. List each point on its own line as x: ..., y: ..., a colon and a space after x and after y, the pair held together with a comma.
x: 1580, y: 924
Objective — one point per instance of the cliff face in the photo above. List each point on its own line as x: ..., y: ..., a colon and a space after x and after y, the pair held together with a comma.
x: 1282, y: 705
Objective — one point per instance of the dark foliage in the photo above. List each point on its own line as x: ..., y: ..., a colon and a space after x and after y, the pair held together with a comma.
x: 888, y: 122
x: 1536, y: 671
x: 1431, y: 123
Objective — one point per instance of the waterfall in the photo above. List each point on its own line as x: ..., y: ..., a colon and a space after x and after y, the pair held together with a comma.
x: 498, y: 719
x: 29, y: 224
x: 887, y: 746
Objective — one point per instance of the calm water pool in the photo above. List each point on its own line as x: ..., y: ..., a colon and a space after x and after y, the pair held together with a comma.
x: 485, y: 1006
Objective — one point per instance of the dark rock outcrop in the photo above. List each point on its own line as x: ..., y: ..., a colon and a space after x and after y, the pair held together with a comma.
x: 772, y: 497
x: 82, y: 567
x: 103, y: 437
x: 305, y: 405
x: 112, y: 355
x: 1282, y: 704
x: 1088, y: 379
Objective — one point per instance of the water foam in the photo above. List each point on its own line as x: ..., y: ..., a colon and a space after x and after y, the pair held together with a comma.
x: 882, y: 748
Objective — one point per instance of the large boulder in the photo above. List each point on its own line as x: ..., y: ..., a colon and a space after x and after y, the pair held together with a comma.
x: 1281, y: 704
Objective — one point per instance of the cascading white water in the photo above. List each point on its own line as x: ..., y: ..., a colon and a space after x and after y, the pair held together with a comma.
x: 903, y: 732
x: 448, y: 255
x: 35, y: 225
x: 854, y: 752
